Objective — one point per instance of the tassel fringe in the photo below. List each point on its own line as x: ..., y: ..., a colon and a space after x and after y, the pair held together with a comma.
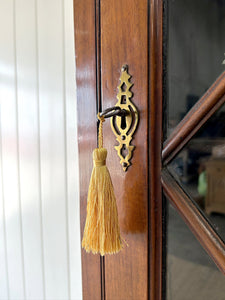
x: 102, y: 232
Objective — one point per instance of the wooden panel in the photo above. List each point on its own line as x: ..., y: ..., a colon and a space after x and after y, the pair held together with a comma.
x: 194, y: 219
x: 124, y: 40
x: 195, y: 118
x: 85, y: 47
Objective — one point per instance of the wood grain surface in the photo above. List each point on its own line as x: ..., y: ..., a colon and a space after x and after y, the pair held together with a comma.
x: 107, y: 36
x: 124, y: 40
x: 85, y: 48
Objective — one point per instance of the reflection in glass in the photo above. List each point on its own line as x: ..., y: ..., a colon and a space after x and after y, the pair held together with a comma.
x: 196, y: 47
x: 200, y: 169
x: 191, y: 274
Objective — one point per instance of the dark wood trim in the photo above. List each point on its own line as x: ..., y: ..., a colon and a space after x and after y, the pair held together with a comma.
x: 99, y: 106
x: 155, y: 142
x: 87, y: 89
x: 164, y: 129
x: 203, y: 231
x: 195, y: 130
x: 195, y: 118
x: 98, y: 54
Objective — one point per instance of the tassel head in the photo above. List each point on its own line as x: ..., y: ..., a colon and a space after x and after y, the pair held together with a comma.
x: 99, y: 157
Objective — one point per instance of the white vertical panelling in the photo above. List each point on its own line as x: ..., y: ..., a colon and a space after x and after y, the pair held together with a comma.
x: 4, y: 288
x: 65, y: 143
x: 28, y: 146
x: 53, y: 177
x: 72, y: 155
x: 10, y: 162
x: 39, y: 198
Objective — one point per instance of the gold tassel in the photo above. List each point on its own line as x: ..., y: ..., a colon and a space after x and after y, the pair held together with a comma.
x: 101, y: 232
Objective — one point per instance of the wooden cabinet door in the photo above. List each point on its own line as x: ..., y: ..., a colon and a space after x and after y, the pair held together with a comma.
x: 108, y: 35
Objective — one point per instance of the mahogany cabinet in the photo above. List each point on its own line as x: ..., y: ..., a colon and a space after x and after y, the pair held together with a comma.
x: 108, y: 35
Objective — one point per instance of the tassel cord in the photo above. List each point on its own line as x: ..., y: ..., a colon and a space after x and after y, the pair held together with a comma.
x: 100, y: 131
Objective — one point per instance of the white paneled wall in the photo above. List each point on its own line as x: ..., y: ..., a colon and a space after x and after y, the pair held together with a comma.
x: 39, y: 197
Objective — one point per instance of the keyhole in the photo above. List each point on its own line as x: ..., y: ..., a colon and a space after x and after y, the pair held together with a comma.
x: 123, y: 99
x: 123, y: 122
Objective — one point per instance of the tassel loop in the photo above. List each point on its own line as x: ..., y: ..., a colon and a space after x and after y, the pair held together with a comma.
x: 100, y: 130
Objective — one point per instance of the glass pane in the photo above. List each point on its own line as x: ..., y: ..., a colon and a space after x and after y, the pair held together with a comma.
x: 200, y: 170
x: 196, y: 47
x: 191, y: 274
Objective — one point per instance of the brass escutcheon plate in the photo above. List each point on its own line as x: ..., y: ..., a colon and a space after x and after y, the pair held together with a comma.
x: 124, y: 126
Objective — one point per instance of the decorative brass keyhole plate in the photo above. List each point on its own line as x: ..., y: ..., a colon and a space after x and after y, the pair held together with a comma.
x: 124, y: 126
